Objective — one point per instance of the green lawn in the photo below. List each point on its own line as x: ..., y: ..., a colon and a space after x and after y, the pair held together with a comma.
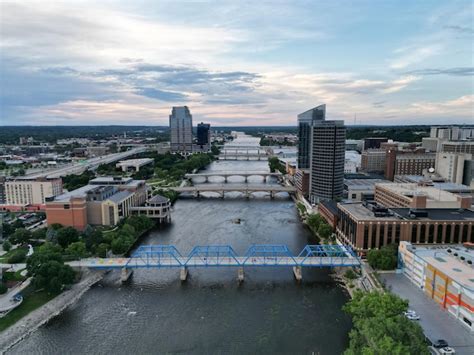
x: 4, y: 258
x: 13, y: 276
x: 31, y: 301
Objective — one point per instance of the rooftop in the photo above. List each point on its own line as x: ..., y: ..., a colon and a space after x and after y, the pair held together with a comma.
x: 443, y: 258
x: 411, y: 189
x: 363, y: 184
x: 135, y: 161
x: 158, y: 199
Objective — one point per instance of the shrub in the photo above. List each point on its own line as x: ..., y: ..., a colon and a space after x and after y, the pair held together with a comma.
x: 350, y: 274
x: 17, y: 256
x: 7, y: 246
x: 3, y: 288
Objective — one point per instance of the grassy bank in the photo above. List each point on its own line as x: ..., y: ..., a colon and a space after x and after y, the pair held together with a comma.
x: 31, y: 300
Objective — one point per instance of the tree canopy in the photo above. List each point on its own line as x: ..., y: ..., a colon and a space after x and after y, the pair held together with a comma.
x: 380, y: 326
x: 384, y: 258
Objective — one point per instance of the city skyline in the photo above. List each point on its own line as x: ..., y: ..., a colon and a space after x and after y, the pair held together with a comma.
x: 235, y: 64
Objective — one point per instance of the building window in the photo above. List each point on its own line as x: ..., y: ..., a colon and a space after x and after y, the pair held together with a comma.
x: 423, y: 233
x: 372, y: 238
x: 66, y: 207
x: 439, y: 236
x: 448, y: 238
x: 414, y: 230
x: 366, y: 237
x: 456, y: 234
x: 431, y: 233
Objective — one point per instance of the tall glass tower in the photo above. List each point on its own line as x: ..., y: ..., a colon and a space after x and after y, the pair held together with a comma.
x: 181, y: 127
x: 305, y: 121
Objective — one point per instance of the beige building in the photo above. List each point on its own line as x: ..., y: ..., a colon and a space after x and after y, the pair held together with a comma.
x: 418, y: 196
x: 454, y: 167
x: 24, y: 191
x: 373, y: 160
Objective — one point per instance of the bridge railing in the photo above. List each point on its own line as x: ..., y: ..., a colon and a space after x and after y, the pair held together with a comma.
x: 156, y: 256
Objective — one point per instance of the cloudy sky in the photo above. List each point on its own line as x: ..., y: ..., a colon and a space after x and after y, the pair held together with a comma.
x: 234, y: 62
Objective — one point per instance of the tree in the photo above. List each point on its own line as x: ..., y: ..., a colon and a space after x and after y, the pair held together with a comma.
x: 17, y: 256
x: 48, y: 269
x: 119, y: 246
x: 324, y: 230
x: 7, y: 246
x: 383, y: 259
x: 77, y: 249
x: 380, y: 326
x: 314, y: 221
x: 101, y: 250
x: 20, y: 236
x: 67, y: 236
x: 39, y: 234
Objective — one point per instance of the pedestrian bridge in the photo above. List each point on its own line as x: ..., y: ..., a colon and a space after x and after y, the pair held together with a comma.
x: 227, y: 174
x: 244, y: 188
x: 260, y: 255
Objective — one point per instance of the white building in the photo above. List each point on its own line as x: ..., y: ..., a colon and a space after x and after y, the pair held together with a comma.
x: 454, y: 167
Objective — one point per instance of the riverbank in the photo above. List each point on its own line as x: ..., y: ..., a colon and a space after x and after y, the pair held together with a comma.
x: 51, y: 309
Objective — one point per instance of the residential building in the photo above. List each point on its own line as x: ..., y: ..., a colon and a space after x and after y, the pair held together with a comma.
x: 181, y: 130
x: 444, y: 274
x: 373, y: 160
x: 327, y: 160
x: 302, y: 181
x: 368, y: 226
x: 455, y: 167
x: 458, y: 147
x: 204, y: 136
x: 374, y: 142
x: 305, y: 122
x: 418, y: 196
x: 25, y: 191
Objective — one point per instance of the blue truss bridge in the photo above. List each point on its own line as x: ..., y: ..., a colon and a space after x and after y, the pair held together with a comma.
x: 262, y: 255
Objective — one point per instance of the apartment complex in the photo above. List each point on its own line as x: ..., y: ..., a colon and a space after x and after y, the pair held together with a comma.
x: 181, y: 130
x: 373, y: 160
x: 104, y: 201
x: 26, y: 191
x: 418, y: 196
x: 327, y: 160
x: 305, y: 122
x: 368, y: 226
x: 445, y: 274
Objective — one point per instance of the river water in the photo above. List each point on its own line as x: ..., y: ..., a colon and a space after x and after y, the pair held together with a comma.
x: 210, y: 313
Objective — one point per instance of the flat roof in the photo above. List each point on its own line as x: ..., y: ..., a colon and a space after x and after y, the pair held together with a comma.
x: 119, y: 196
x: 438, y: 214
x: 361, y: 212
x: 449, y: 264
x: 412, y: 189
x: 363, y: 184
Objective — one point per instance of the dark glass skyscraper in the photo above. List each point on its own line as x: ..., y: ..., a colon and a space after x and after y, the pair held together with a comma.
x: 203, y: 134
x: 305, y: 122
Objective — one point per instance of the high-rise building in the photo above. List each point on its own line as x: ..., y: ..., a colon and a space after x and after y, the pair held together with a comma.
x: 204, y: 135
x: 455, y: 167
x: 327, y: 160
x: 305, y: 122
x: 181, y: 127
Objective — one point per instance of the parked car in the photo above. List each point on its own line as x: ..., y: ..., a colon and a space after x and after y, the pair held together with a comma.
x: 447, y: 350
x: 410, y: 311
x: 440, y: 343
x: 413, y: 316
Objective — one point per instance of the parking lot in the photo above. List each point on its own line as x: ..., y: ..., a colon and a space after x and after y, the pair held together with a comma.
x: 437, y: 323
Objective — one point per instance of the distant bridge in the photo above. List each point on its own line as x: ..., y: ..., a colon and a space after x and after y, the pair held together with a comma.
x: 224, y: 155
x: 226, y: 174
x: 263, y: 255
x: 245, y: 188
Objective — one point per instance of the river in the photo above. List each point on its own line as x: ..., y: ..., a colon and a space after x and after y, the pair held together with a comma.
x: 210, y: 313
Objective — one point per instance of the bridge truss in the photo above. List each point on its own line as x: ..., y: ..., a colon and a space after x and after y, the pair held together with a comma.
x: 260, y: 255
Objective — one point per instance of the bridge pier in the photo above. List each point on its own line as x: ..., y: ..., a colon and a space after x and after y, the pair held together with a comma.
x: 240, y: 274
x: 272, y: 194
x: 298, y: 273
x: 125, y: 274
x: 247, y: 194
x: 197, y: 194
x: 183, y: 275
x: 225, y: 178
x: 207, y: 179
x: 246, y: 179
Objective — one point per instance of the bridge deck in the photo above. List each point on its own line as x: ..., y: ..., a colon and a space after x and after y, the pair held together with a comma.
x: 234, y: 173
x: 234, y: 187
x: 166, y: 256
